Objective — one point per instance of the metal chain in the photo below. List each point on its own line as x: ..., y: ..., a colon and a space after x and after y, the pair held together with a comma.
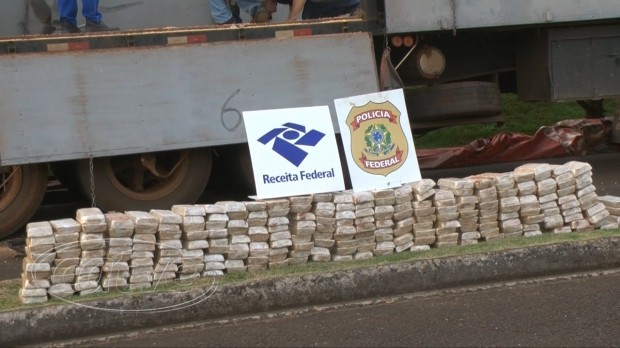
x: 92, y: 180
x: 453, y: 3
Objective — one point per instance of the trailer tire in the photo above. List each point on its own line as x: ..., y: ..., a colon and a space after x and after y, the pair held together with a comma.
x: 113, y: 179
x: 21, y: 197
x: 454, y: 100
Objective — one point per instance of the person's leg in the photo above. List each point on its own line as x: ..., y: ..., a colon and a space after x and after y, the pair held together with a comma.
x: 255, y: 9
x: 90, y: 10
x: 220, y: 11
x: 67, y: 11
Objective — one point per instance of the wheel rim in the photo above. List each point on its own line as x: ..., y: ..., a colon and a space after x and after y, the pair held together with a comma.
x: 147, y: 177
x: 10, y: 183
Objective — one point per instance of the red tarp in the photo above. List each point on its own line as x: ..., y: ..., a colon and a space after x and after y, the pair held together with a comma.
x: 569, y: 137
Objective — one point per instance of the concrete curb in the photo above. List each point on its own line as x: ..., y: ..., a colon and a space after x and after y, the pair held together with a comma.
x: 72, y: 321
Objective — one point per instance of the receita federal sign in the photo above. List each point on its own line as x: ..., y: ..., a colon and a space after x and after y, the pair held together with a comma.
x: 294, y: 151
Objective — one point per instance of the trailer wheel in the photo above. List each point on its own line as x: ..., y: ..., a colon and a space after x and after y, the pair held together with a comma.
x: 454, y: 100
x: 21, y: 191
x: 147, y: 181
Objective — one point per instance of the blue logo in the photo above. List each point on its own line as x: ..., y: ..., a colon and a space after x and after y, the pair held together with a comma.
x: 288, y: 140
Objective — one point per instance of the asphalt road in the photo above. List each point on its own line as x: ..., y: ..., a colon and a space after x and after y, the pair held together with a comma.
x: 578, y: 312
x: 606, y: 167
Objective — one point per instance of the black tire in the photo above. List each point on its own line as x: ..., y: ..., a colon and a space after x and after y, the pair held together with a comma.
x: 21, y: 197
x: 113, y: 186
x: 453, y: 100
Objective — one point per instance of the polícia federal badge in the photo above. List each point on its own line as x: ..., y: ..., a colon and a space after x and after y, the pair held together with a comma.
x: 378, y: 142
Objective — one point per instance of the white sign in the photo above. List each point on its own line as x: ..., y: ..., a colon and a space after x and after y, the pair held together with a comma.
x: 377, y: 139
x: 294, y: 151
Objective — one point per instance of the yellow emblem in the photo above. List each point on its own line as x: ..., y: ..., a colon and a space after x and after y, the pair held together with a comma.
x: 378, y: 142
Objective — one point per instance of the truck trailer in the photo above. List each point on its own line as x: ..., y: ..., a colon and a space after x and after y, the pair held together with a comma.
x: 132, y: 118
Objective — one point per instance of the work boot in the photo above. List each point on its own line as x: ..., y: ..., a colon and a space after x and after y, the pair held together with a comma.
x: 232, y: 20
x: 236, y: 12
x: 65, y: 27
x: 260, y: 15
x: 95, y: 27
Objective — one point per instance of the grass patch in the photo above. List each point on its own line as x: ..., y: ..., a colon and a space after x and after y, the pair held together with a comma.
x: 9, y: 289
x: 521, y: 117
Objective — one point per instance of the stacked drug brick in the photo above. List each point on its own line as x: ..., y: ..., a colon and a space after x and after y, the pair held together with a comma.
x: 119, y: 233
x: 551, y: 209
x: 383, y: 234
x: 447, y: 222
x: 193, y: 239
x: 487, y: 206
x: 364, y: 225
x: 531, y: 214
x: 345, y: 245
x: 403, y: 225
x: 238, y: 239
x: 612, y: 204
x: 324, y: 210
x: 258, y: 258
x: 302, y: 226
x: 93, y: 245
x: 144, y: 240
x: 217, y: 239
x: 137, y: 250
x: 279, y: 233
x: 509, y: 191
x: 594, y: 211
x: 168, y: 251
x: 466, y: 210
x: 424, y: 212
x: 568, y: 204
x: 68, y: 252
x: 37, y: 265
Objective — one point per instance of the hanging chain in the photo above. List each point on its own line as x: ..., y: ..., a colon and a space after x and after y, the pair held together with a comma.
x: 91, y: 167
x: 453, y: 3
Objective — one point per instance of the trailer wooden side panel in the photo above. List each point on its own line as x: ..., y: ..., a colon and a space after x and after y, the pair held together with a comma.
x: 106, y: 102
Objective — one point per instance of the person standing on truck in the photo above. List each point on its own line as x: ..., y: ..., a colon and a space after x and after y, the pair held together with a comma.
x: 314, y: 9
x: 68, y: 9
x: 222, y: 13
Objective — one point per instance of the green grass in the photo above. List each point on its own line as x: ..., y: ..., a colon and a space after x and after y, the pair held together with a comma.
x: 521, y: 117
x: 9, y: 289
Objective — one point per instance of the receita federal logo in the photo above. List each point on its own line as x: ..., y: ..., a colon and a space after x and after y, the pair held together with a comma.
x: 288, y: 139
x: 378, y: 141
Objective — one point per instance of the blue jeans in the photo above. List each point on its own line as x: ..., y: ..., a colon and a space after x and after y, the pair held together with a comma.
x: 68, y: 10
x: 220, y: 11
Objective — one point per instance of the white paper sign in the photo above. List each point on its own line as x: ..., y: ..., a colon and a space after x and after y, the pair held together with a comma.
x: 294, y: 151
x: 377, y: 140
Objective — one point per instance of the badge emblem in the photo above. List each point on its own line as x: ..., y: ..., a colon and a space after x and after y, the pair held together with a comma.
x: 378, y: 142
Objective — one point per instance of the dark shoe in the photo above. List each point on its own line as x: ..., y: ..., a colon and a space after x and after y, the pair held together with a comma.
x: 67, y: 28
x: 232, y: 20
x: 95, y: 27
x: 261, y: 15
x: 236, y: 12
